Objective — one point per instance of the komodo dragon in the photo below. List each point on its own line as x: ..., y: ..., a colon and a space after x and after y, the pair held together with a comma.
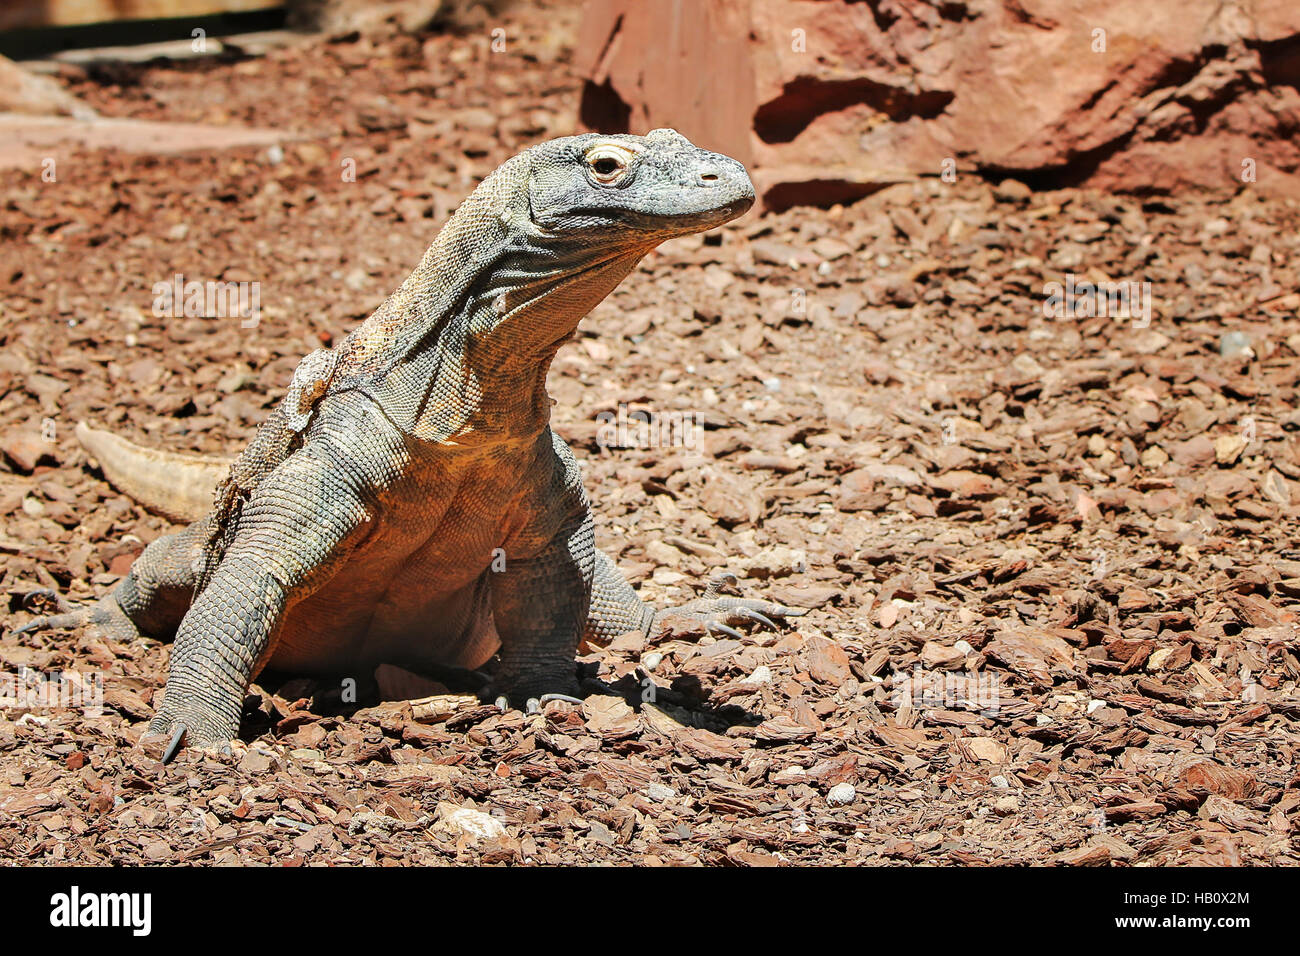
x: 407, y: 501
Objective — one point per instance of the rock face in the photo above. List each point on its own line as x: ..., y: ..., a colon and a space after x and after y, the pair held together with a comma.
x: 829, y: 100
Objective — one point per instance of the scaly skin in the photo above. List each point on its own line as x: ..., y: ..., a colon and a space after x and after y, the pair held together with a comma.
x: 408, y: 502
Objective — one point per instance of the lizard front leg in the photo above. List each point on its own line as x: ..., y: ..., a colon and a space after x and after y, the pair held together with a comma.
x: 615, y: 607
x: 298, y: 528
x: 540, y: 600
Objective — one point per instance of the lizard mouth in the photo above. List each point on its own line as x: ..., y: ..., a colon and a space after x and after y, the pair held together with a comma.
x: 706, y: 216
x: 677, y: 216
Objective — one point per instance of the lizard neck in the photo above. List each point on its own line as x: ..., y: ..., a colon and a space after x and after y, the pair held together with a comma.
x: 495, y: 355
x: 477, y: 374
x: 459, y: 353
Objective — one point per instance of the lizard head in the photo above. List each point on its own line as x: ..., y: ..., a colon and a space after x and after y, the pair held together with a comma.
x: 633, y: 189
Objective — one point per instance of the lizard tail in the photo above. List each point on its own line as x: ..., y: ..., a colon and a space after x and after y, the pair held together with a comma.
x: 177, y: 486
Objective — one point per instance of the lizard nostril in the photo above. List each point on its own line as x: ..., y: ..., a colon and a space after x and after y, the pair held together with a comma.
x: 708, y: 177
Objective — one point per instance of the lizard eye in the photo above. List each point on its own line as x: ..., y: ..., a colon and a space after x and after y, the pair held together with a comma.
x: 607, y: 162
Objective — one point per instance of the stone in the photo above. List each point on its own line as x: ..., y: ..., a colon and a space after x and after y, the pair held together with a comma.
x: 937, y: 656
x: 26, y: 140
x: 986, y: 748
x: 1225, y: 781
x: 1233, y: 344
x: 659, y: 793
x: 1228, y: 448
x: 829, y: 101
x: 470, y: 822
x: 827, y: 662
x: 1194, y: 453
x: 24, y: 92
x: 841, y: 795
x: 1012, y: 190
x: 25, y: 449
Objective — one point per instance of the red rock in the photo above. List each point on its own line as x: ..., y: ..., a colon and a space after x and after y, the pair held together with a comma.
x: 610, y: 717
x: 26, y: 449
x: 937, y: 656
x: 826, y: 661
x: 121, y: 564
x: 1216, y: 778
x: 1193, y: 453
x: 1030, y: 652
x: 827, y: 101
x: 706, y: 745
x: 857, y: 492
x: 1161, y: 500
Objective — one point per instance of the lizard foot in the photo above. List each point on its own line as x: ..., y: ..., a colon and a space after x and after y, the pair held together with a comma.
x: 66, y: 615
x: 722, y: 614
x: 188, y: 730
x: 534, y: 705
x: 535, y: 687
x: 105, y: 613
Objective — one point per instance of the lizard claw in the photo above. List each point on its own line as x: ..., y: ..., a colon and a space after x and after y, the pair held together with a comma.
x: 174, y: 747
x: 761, y: 618
x: 66, y: 615
x: 47, y: 594
x: 178, y: 742
x: 717, y: 627
x: 534, y: 705
x: 66, y: 619
x: 35, y: 624
x: 190, y: 727
x: 106, y: 613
